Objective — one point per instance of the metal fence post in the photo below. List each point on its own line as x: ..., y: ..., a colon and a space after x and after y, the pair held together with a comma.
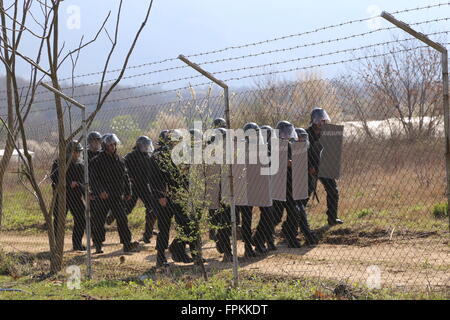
x: 228, y: 120
x: 445, y: 88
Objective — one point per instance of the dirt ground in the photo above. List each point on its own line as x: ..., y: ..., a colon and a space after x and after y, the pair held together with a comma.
x: 419, y: 260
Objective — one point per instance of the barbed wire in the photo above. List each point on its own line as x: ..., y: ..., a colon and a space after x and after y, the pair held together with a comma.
x: 268, y: 64
x: 176, y: 90
x: 283, y: 37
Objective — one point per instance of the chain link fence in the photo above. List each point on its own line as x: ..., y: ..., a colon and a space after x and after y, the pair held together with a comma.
x: 390, y: 194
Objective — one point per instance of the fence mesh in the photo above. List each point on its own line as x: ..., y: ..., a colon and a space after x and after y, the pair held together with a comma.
x: 391, y: 193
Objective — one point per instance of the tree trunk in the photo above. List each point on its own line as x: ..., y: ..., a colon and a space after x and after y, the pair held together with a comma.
x: 56, y: 261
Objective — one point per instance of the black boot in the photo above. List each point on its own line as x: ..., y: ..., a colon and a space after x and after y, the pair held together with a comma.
x: 271, y: 246
x: 227, y: 256
x: 98, y: 248
x: 131, y: 247
x: 260, y: 248
x: 212, y: 234
x: 310, y: 236
x: 79, y: 247
x: 311, y: 239
x: 258, y: 242
x: 178, y: 251
x: 249, y: 252
x: 291, y: 240
x: 161, y: 260
x: 294, y: 243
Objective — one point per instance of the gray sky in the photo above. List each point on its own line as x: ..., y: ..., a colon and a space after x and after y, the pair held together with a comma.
x: 187, y: 27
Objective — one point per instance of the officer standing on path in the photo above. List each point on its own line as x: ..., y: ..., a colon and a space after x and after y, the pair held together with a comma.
x: 294, y: 209
x: 264, y: 233
x: 310, y: 236
x: 74, y: 191
x: 111, y: 185
x: 167, y: 181
x: 246, y: 212
x: 220, y: 218
x: 139, y: 168
x: 214, y: 215
x: 319, y: 117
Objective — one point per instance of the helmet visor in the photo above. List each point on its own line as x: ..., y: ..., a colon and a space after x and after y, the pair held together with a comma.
x: 287, y: 133
x: 320, y: 116
x: 110, y: 139
x: 146, y: 147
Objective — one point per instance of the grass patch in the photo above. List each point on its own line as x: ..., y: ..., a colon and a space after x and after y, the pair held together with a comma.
x: 440, y: 211
x: 218, y: 287
x: 364, y: 213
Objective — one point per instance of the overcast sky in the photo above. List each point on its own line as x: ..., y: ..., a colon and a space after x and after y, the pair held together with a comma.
x: 187, y: 27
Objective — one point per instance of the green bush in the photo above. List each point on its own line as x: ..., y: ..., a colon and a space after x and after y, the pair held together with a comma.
x: 440, y: 211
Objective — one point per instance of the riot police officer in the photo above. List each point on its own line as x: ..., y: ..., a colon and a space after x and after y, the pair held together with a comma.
x: 264, y: 233
x: 110, y: 186
x: 220, y: 218
x: 74, y: 192
x: 293, y: 208
x: 138, y: 165
x: 218, y: 123
x: 167, y: 182
x: 245, y: 212
x: 310, y: 236
x: 319, y: 117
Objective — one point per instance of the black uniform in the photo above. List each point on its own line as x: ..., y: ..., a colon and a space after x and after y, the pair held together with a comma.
x: 330, y: 185
x: 296, y: 215
x: 245, y: 213
x: 166, y: 182
x: 265, y: 230
x: 222, y: 222
x: 74, y: 203
x: 92, y: 154
x: 108, y: 173
x: 139, y: 166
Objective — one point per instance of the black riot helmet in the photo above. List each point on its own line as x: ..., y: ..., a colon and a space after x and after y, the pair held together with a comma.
x: 144, y: 144
x: 219, y: 123
x: 72, y: 146
x: 302, y: 134
x: 94, y: 140
x: 268, y: 132
x: 163, y: 137
x: 286, y: 131
x: 319, y: 115
x: 94, y: 135
x: 196, y: 135
x: 109, y: 138
x: 251, y: 126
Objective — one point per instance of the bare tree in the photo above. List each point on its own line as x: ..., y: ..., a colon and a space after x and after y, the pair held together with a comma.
x: 406, y: 86
x: 13, y: 20
x: 50, y: 39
